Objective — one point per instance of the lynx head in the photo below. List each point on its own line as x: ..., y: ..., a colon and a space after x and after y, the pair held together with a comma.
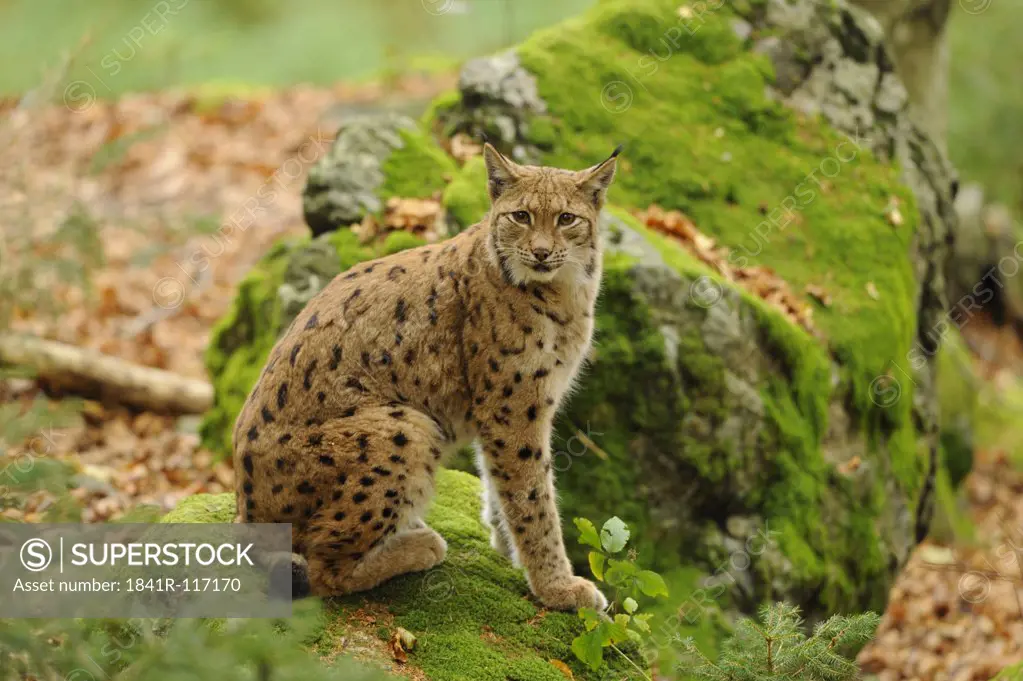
x: 543, y: 221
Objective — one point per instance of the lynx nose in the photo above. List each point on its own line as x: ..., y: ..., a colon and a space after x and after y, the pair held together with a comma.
x: 541, y: 253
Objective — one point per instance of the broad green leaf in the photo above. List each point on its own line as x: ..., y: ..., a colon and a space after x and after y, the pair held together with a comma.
x: 587, y: 533
x: 630, y: 605
x: 590, y: 616
x: 587, y: 647
x: 642, y: 622
x: 597, y: 564
x: 618, y: 631
x: 652, y: 584
x: 614, y: 535
x: 620, y: 572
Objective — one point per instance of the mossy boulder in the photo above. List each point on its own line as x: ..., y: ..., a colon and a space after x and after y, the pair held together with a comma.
x: 472, y: 616
x: 753, y: 460
x: 372, y: 159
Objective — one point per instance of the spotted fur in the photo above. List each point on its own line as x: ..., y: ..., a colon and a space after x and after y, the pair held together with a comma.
x: 401, y: 360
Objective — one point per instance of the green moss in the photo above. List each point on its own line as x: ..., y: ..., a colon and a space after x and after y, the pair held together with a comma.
x: 398, y: 241
x: 1013, y: 673
x: 203, y: 508
x: 655, y: 31
x: 438, y: 106
x: 240, y: 343
x: 785, y: 480
x: 418, y: 169
x: 542, y: 133
x: 733, y: 155
x: 472, y: 616
x: 466, y: 197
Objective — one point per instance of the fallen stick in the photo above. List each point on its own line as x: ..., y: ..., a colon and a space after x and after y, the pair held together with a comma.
x: 93, y: 374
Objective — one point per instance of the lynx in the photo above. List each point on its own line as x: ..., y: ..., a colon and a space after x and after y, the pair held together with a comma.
x: 401, y: 360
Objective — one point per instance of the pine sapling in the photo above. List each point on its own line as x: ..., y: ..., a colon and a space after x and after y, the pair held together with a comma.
x: 776, y: 648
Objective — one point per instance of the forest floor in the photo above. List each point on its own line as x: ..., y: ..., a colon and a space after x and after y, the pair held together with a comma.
x: 956, y: 611
x: 157, y: 176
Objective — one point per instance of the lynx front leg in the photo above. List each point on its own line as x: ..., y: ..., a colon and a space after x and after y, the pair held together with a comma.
x: 518, y: 463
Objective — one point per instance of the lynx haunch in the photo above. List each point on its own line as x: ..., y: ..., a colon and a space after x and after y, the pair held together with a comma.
x: 401, y: 360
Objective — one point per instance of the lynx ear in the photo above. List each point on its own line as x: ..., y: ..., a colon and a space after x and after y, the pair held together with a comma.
x: 595, y: 181
x: 501, y: 172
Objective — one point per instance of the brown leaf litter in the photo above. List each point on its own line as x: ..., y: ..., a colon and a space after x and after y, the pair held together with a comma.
x: 761, y: 281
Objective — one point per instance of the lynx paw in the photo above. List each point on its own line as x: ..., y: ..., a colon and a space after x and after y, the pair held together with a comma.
x: 572, y: 594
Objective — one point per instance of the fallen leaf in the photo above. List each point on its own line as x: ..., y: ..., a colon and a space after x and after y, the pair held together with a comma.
x: 563, y: 668
x: 464, y: 147
x: 850, y: 466
x: 759, y: 280
x: 367, y: 230
x: 936, y: 555
x: 413, y: 215
x: 893, y: 213
x: 402, y: 642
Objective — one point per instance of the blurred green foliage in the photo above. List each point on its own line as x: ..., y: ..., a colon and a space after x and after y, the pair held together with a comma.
x: 157, y: 650
x: 29, y: 436
x: 119, y: 46
x: 986, y: 93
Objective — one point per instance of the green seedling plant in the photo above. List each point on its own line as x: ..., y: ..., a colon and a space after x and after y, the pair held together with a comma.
x: 625, y: 583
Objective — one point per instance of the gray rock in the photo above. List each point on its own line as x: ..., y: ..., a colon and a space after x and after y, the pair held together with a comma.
x: 853, y: 83
x: 742, y: 29
x: 308, y: 271
x: 857, y: 80
x: 343, y: 185
x: 499, y: 97
x: 891, y: 95
x: 500, y: 79
x: 918, y: 46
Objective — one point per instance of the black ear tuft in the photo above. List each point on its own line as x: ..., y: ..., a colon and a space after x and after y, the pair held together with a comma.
x: 597, y: 179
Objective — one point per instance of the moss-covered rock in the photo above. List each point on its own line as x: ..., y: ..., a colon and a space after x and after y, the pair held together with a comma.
x: 372, y: 159
x: 472, y: 616
x: 780, y: 128
x: 753, y: 460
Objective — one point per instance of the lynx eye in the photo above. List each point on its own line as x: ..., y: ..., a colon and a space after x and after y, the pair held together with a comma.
x: 565, y: 219
x: 521, y: 217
